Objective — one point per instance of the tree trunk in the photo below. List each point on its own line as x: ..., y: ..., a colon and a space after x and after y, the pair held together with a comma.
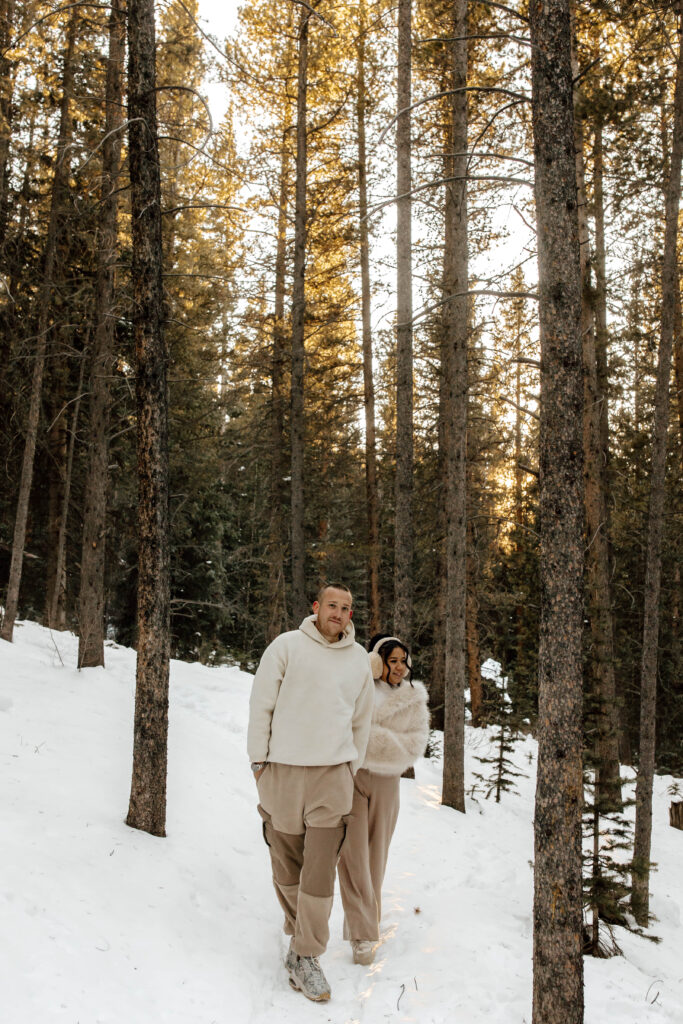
x: 601, y: 365
x: 276, y: 561
x: 277, y: 587
x: 601, y: 336
x: 57, y: 611
x: 299, y: 602
x: 91, y: 600
x: 6, y: 89
x: 558, y: 967
x: 403, y: 530
x: 472, y: 634
x: 147, y: 808
x: 455, y: 336
x: 640, y: 897
x: 678, y: 358
x: 437, y: 685
x: 521, y: 638
x: 601, y: 626
x: 371, y: 499
x: 60, y: 186
x: 676, y: 814
x: 14, y: 267
x: 54, y: 614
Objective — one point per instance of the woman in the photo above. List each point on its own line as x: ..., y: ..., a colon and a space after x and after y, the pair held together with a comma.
x: 398, y: 737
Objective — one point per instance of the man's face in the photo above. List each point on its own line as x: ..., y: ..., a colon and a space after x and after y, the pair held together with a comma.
x: 334, y: 613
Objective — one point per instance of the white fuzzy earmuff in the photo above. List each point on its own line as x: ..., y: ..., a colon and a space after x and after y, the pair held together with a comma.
x: 376, y: 663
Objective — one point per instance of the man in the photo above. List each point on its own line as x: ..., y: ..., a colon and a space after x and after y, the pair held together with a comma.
x: 309, y: 722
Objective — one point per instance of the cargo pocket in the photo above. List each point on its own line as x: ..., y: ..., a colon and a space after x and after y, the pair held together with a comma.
x: 267, y: 823
x: 346, y: 820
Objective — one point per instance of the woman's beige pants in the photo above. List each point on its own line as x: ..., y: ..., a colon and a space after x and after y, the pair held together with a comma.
x: 364, y: 854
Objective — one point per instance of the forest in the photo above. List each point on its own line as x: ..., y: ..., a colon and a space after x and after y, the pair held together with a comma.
x: 408, y: 316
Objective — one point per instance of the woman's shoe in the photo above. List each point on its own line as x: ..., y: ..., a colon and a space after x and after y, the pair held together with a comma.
x: 363, y: 951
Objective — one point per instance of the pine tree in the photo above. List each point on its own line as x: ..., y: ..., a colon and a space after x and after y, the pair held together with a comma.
x: 147, y: 807
x: 558, y: 970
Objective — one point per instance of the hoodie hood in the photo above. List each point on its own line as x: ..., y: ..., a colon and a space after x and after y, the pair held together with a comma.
x: 309, y: 627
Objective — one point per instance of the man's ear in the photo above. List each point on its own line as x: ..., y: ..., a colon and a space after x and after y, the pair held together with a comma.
x: 351, y: 614
x: 316, y: 607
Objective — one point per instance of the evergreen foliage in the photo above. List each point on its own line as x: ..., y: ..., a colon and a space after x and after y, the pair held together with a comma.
x: 222, y: 187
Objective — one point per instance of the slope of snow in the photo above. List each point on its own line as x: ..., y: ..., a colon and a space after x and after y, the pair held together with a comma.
x: 101, y: 923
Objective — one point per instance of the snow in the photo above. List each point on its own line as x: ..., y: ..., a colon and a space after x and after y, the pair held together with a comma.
x: 101, y: 923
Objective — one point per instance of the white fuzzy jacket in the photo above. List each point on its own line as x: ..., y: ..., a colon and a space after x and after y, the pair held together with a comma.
x: 399, y: 729
x: 311, y: 701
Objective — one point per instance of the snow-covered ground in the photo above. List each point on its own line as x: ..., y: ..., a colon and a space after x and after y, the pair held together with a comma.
x: 100, y: 923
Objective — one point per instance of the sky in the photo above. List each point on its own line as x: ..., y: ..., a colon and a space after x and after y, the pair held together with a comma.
x: 218, y: 18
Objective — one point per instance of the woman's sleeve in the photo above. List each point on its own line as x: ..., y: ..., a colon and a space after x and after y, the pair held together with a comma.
x: 397, y: 748
x: 416, y: 734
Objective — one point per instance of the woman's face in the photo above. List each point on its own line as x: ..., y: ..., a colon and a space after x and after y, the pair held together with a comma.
x: 395, y: 667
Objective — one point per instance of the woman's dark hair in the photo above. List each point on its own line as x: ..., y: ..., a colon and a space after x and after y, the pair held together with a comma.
x: 384, y: 650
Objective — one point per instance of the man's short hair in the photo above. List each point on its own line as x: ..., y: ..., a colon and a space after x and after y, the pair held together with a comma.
x: 332, y: 586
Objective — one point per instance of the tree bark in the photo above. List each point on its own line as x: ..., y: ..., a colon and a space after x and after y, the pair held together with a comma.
x: 601, y: 335
x: 6, y: 90
x: 601, y: 625
x: 371, y: 498
x: 558, y: 967
x: 277, y: 541
x: 437, y: 685
x: 54, y: 614
x: 454, y: 357
x: 520, y: 635
x: 403, y: 528
x: 147, y: 808
x: 276, y: 562
x: 91, y: 599
x: 601, y: 364
x: 676, y: 814
x: 60, y: 186
x: 640, y: 897
x: 57, y: 611
x: 472, y: 634
x: 299, y: 602
x: 678, y: 358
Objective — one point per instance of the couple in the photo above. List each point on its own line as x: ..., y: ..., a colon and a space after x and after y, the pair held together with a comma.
x: 331, y: 730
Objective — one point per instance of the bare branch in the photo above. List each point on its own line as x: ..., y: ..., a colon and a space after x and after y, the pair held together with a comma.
x: 209, y: 132
x: 445, y: 181
x: 501, y: 110
x: 102, y: 141
x: 523, y: 219
x: 312, y: 10
x: 494, y: 156
x: 209, y: 39
x: 484, y: 35
x: 504, y: 7
x: 519, y: 97
x: 520, y: 408
x: 527, y: 361
x: 472, y: 291
x: 202, y: 206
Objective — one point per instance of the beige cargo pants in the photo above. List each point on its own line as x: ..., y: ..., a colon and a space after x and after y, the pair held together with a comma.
x: 363, y: 859
x: 305, y: 812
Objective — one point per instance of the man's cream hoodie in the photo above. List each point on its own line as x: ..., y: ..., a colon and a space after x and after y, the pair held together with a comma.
x: 311, y: 701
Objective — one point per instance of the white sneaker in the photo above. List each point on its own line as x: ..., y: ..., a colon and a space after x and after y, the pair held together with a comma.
x: 307, y: 976
x: 363, y: 951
